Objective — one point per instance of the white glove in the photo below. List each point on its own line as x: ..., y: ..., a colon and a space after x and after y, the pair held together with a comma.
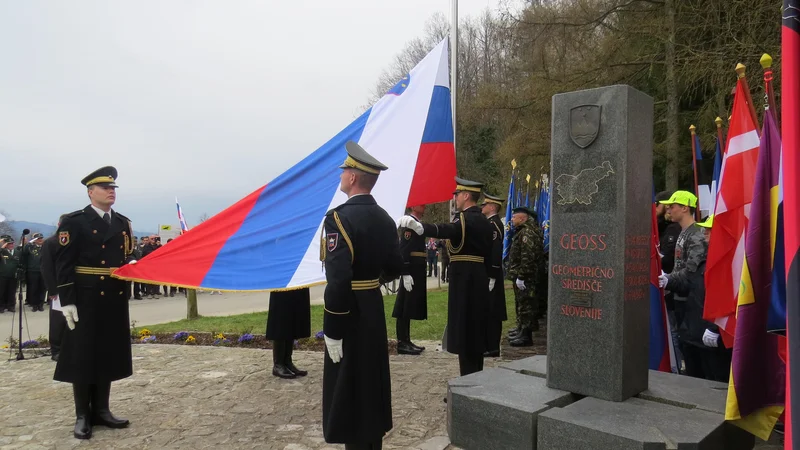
x: 491, y: 284
x: 71, y: 314
x: 520, y: 285
x: 335, y: 350
x: 408, y: 282
x: 710, y: 339
x: 412, y: 224
x: 133, y: 261
x: 663, y: 279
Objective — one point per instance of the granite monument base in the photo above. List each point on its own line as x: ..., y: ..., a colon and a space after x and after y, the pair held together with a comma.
x: 498, y: 408
x: 511, y: 407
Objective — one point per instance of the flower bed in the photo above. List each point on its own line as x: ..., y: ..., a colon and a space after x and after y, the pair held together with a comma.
x: 314, y: 343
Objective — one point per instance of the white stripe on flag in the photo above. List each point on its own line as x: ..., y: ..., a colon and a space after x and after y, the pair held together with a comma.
x: 392, y: 135
x: 742, y: 143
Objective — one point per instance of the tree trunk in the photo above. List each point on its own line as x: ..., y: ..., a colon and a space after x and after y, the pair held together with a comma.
x: 191, y: 304
x: 672, y: 150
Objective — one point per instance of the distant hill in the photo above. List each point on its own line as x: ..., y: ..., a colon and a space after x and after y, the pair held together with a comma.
x: 47, y: 230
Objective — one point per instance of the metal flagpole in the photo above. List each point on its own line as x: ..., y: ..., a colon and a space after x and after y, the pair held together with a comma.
x: 453, y: 89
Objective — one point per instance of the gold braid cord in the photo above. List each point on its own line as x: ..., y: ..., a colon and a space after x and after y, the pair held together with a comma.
x: 456, y: 250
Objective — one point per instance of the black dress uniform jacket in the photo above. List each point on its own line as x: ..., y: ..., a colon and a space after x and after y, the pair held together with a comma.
x: 289, y: 315
x: 412, y: 305
x: 470, y: 250
x: 497, y: 301
x: 361, y: 248
x: 99, y: 348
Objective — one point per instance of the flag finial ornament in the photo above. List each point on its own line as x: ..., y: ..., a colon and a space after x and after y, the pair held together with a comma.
x: 740, y: 70
x: 766, y: 61
x: 513, y: 164
x: 692, y: 128
x: 718, y: 121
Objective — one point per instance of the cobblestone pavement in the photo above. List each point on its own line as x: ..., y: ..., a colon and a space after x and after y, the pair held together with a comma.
x: 206, y: 397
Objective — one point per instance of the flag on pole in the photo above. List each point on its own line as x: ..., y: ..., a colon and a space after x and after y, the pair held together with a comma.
x: 726, y: 247
x: 509, y: 232
x: 662, y: 352
x: 715, y: 176
x: 181, y: 218
x: 790, y: 111
x: 254, y: 246
x: 544, y: 216
x: 756, y: 388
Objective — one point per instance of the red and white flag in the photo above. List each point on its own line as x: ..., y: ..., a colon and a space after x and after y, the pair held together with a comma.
x: 731, y: 215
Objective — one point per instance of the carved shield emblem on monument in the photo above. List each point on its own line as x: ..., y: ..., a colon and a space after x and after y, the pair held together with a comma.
x: 584, y: 124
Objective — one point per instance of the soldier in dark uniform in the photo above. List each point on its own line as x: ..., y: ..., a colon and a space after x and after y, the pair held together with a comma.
x: 289, y: 318
x: 497, y: 296
x: 31, y: 263
x: 58, y: 324
x: 9, y: 275
x: 470, y: 246
x: 97, y: 348
x: 412, y: 298
x: 361, y: 251
x: 525, y: 259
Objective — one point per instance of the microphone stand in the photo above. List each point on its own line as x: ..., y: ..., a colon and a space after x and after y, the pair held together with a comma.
x: 20, y: 355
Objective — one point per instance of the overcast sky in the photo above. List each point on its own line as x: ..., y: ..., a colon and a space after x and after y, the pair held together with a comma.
x: 199, y: 99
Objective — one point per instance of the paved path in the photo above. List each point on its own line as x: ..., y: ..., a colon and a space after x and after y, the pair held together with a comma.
x: 165, y: 309
x: 206, y: 397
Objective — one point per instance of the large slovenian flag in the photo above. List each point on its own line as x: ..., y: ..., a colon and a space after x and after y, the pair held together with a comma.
x: 731, y: 213
x: 757, y: 385
x: 254, y: 245
x: 662, y: 352
x: 790, y: 102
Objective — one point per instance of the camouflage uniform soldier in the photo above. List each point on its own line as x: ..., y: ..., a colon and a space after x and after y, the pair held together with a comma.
x: 525, y: 259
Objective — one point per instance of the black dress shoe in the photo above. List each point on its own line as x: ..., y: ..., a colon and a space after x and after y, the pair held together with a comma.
x: 296, y: 371
x: 404, y: 348
x: 54, y: 357
x: 106, y: 419
x: 417, y: 347
x: 282, y: 371
x: 491, y: 354
x: 83, y: 428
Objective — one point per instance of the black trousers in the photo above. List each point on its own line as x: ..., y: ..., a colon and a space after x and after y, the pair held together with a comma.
x: 58, y: 326
x: 8, y: 291
x: 403, y: 330
x: 470, y: 363
x: 708, y: 363
x: 36, y: 289
x: 137, y: 290
x: 494, y: 329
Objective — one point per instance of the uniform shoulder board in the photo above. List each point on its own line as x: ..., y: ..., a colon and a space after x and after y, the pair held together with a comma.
x: 75, y: 213
x: 122, y: 216
x: 330, y: 212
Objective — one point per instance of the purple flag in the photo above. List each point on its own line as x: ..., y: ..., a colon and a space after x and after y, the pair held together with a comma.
x: 758, y: 372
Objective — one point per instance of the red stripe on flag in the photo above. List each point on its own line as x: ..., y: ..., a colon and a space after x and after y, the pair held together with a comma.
x: 191, y: 255
x: 434, y: 174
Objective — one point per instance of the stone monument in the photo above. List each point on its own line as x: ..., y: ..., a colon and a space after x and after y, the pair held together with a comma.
x: 599, y: 302
x: 594, y: 390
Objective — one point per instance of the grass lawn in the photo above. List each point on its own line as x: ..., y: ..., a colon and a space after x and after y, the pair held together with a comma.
x: 256, y: 323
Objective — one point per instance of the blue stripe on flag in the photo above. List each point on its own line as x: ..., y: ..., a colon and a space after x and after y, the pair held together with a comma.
x: 439, y: 126
x: 255, y: 256
x: 658, y: 334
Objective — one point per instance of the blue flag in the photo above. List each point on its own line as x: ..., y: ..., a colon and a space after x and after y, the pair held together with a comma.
x: 509, y: 208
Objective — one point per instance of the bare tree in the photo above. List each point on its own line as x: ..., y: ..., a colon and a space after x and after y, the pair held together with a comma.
x: 203, y: 218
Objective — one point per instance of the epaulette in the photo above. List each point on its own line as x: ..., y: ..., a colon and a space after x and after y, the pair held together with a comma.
x: 75, y: 213
x: 123, y: 217
x: 338, y: 208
